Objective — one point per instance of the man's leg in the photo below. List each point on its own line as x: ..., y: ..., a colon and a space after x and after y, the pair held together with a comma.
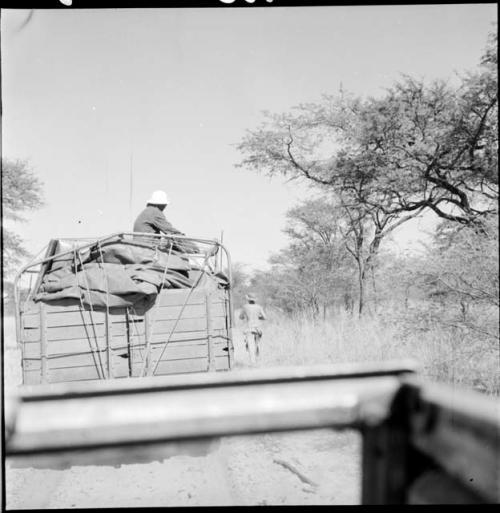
x: 258, y: 337
x: 251, y: 346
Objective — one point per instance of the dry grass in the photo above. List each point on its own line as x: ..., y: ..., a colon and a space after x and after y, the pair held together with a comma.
x: 442, y: 355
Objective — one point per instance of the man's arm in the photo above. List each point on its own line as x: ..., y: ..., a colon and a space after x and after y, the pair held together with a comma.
x: 164, y: 226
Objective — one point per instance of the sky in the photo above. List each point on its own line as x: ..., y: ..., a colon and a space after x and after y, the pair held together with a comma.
x: 108, y: 105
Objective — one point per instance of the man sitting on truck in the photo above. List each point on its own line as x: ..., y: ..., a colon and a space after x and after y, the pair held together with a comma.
x: 153, y: 220
x: 253, y: 313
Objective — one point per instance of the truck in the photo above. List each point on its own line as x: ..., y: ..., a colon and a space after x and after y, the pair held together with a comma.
x: 123, y: 306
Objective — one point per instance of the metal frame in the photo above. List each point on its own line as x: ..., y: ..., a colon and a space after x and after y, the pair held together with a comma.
x: 423, y: 443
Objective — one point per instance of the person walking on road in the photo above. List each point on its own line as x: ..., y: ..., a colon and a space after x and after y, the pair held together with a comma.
x: 253, y: 315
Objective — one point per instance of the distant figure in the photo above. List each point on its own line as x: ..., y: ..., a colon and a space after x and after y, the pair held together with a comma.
x: 152, y: 219
x: 253, y: 314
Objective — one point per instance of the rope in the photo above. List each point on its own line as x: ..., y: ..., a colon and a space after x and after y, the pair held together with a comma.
x: 155, y: 310
x: 108, y: 338
x: 102, y: 376
x: 83, y: 319
x: 180, y: 313
x: 132, y: 311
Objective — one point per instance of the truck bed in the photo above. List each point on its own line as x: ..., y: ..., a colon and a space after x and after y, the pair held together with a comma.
x: 186, y: 330
x: 62, y: 343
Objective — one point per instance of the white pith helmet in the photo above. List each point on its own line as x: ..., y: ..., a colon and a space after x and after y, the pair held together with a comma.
x: 159, y: 198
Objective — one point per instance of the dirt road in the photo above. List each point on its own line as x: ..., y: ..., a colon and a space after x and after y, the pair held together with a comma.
x: 302, y: 468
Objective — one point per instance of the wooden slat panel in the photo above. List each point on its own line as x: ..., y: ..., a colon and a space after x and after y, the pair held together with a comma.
x: 68, y: 318
x: 222, y: 363
x: 31, y: 320
x: 67, y: 332
x: 191, y: 365
x: 181, y: 366
x: 73, y: 317
x: 63, y: 362
x: 183, y: 342
x: 157, y: 339
x: 176, y: 297
x: 194, y: 340
x: 220, y: 335
x: 75, y: 363
x: 120, y: 328
x: 187, y: 335
x: 31, y: 350
x: 30, y: 335
x: 63, y: 375
x: 56, y: 347
x: 189, y: 311
x: 179, y: 352
x: 76, y: 307
x: 120, y: 366
x: 166, y: 326
x: 109, y: 355
x: 59, y: 347
x: 31, y: 377
x: 43, y: 345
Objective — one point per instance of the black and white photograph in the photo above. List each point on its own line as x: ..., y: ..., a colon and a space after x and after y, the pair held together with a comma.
x: 250, y: 254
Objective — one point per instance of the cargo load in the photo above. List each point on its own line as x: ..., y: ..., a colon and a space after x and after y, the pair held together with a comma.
x: 126, y: 305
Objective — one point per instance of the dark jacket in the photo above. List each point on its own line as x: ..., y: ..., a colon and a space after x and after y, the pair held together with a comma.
x: 152, y: 220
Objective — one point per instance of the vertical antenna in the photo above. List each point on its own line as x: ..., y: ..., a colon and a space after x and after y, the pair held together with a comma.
x: 221, y: 239
x: 131, y: 184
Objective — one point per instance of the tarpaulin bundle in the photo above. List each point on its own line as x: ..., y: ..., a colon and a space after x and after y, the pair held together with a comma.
x: 114, y: 274
x: 126, y: 252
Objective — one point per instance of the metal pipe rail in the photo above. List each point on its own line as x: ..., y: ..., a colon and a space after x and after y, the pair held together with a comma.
x: 101, y: 240
x: 413, y: 433
x: 121, y: 413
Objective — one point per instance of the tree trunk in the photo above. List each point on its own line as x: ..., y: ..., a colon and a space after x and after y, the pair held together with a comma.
x: 313, y: 303
x: 361, y: 281
x: 374, y: 286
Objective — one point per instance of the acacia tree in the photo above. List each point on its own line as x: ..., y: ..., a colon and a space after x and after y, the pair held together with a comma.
x: 21, y: 192
x: 386, y: 160
x: 438, y: 145
x: 320, y: 143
